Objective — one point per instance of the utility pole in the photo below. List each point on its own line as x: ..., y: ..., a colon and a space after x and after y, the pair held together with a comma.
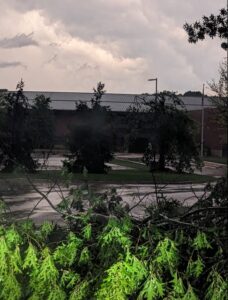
x: 202, y: 126
x: 226, y: 97
x: 156, y: 85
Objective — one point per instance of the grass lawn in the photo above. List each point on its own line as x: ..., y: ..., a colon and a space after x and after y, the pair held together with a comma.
x: 130, y: 164
x: 220, y: 160
x: 138, y: 174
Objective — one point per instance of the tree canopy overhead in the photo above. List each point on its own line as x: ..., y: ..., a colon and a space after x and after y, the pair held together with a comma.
x: 212, y: 26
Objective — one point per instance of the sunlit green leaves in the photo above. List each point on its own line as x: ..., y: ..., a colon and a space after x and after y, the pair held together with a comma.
x: 122, y: 279
x: 166, y: 255
x: 31, y: 260
x: 65, y: 254
x: 152, y: 289
x: 200, y: 241
x: 195, y: 267
x: 218, y: 288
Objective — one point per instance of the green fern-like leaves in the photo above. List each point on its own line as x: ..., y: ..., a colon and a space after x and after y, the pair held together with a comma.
x: 44, y: 279
x: 178, y: 287
x: 46, y: 229
x: 87, y: 231
x: 80, y: 291
x: 190, y: 294
x: 122, y: 279
x: 195, y: 268
x: 218, y: 288
x: 166, y: 255
x: 200, y: 242
x: 152, y: 289
x: 65, y: 254
x: 69, y: 279
x: 12, y: 237
x: 31, y: 259
x: 11, y: 288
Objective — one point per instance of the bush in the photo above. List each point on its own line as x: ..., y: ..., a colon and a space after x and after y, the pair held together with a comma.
x: 90, y: 148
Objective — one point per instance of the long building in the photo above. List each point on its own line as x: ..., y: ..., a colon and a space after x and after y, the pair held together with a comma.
x: 63, y: 105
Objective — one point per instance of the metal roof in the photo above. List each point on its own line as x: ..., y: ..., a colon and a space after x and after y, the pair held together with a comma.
x: 116, y: 102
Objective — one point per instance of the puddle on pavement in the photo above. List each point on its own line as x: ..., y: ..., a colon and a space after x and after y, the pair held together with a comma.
x: 21, y: 204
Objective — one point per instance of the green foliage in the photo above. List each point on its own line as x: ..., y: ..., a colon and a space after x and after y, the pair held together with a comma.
x: 69, y: 279
x: 65, y: 254
x: 166, y: 255
x: 178, y: 288
x: 118, y: 258
x: 122, y: 279
x: 190, y: 294
x: 200, y: 241
x: 87, y: 231
x: 153, y: 288
x: 218, y: 287
x: 195, y: 268
x: 31, y: 259
x: 80, y: 291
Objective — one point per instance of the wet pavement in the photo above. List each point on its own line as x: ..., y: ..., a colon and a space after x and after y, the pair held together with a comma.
x: 29, y: 204
x: 24, y: 202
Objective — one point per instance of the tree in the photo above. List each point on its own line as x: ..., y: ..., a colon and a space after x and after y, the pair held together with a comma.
x: 90, y: 140
x: 16, y: 144
x: 220, y: 89
x: 23, y: 128
x: 172, y: 138
x: 212, y: 26
x: 97, y: 95
x: 215, y: 26
x: 193, y: 94
x: 42, y: 123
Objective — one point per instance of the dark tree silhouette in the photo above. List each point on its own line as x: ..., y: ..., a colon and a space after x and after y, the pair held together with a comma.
x: 215, y: 26
x: 42, y: 123
x: 89, y: 140
x: 23, y: 128
x: 16, y: 143
x: 172, y: 140
x: 212, y: 26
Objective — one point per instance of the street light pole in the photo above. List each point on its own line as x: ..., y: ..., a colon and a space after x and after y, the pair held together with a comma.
x: 156, y: 84
x: 202, y: 126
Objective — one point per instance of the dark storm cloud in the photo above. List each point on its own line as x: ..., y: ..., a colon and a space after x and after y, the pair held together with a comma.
x: 12, y: 64
x: 113, y: 39
x: 18, y: 41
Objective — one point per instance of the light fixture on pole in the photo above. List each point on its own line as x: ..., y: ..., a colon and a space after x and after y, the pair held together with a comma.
x: 156, y: 84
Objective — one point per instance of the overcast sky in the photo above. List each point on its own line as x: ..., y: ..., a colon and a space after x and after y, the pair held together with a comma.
x: 70, y: 45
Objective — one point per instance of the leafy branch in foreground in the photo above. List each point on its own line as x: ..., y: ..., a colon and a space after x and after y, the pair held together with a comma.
x: 173, y: 253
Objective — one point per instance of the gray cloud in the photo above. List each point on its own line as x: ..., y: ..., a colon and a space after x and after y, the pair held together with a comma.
x: 18, y: 41
x: 72, y: 33
x: 12, y: 64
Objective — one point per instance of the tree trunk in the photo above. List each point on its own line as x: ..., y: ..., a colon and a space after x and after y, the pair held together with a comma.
x: 161, y: 161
